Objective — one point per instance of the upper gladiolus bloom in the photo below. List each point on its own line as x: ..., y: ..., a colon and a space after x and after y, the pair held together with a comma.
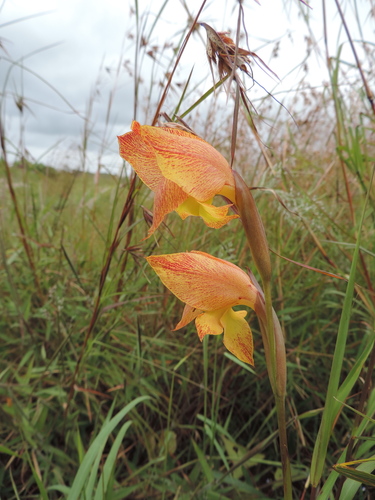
x: 183, y: 170
x: 210, y: 287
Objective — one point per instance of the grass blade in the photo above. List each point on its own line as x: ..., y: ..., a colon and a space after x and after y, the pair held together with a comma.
x: 321, y: 446
x: 98, y: 443
x: 102, y: 489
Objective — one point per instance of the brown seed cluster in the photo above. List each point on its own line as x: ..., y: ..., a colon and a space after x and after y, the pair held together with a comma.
x: 223, y: 52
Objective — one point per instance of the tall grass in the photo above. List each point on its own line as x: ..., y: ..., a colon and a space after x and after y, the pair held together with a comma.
x: 100, y: 399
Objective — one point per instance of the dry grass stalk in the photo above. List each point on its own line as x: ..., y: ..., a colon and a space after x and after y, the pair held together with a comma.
x: 223, y: 52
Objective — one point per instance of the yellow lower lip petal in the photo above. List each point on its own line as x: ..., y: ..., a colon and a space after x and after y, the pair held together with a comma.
x: 212, y: 216
x: 209, y: 323
x: 238, y: 338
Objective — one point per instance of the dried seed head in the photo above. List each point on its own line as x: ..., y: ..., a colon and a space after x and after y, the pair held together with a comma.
x: 222, y: 50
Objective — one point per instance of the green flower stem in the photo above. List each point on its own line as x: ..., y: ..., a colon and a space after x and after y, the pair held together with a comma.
x: 281, y: 420
x: 277, y: 372
x: 253, y: 227
x: 272, y: 334
x: 278, y: 360
x: 271, y: 340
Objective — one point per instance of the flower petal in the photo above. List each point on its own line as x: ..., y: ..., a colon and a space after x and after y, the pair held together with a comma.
x: 188, y: 315
x: 189, y: 161
x: 175, y: 164
x: 238, y: 338
x: 168, y: 196
x: 209, y: 324
x: 212, y: 216
x: 141, y: 157
x: 203, y: 281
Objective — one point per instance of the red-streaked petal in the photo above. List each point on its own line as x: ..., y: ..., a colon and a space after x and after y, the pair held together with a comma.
x: 188, y: 315
x: 209, y: 324
x: 183, y: 133
x: 238, y: 338
x: 168, y: 196
x: 191, y: 163
x: 141, y: 157
x: 203, y: 281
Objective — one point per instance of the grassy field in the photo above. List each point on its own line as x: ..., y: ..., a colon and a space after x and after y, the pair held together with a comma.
x: 100, y: 399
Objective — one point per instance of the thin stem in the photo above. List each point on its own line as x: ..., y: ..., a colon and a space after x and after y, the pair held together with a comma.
x: 103, y: 276
x: 272, y: 334
x: 369, y: 94
x: 24, y: 238
x: 281, y: 421
x: 277, y: 372
x: 164, y: 95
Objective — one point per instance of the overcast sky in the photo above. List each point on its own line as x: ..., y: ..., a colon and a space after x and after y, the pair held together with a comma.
x: 80, y: 53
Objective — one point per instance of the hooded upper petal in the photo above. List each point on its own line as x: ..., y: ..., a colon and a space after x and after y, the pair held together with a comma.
x: 203, y: 281
x: 141, y: 156
x: 189, y: 161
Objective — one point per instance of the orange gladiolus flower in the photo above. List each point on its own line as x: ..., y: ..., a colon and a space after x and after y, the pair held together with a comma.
x: 183, y: 170
x: 210, y: 287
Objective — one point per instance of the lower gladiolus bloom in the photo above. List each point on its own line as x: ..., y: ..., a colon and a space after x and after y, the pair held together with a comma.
x: 210, y: 288
x: 183, y: 170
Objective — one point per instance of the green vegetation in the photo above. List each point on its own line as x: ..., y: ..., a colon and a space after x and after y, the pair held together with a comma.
x: 98, y: 392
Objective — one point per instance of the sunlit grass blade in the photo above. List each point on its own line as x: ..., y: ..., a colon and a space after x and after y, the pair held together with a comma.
x: 204, y: 96
x: 86, y: 467
x: 102, y: 490
x: 358, y: 474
